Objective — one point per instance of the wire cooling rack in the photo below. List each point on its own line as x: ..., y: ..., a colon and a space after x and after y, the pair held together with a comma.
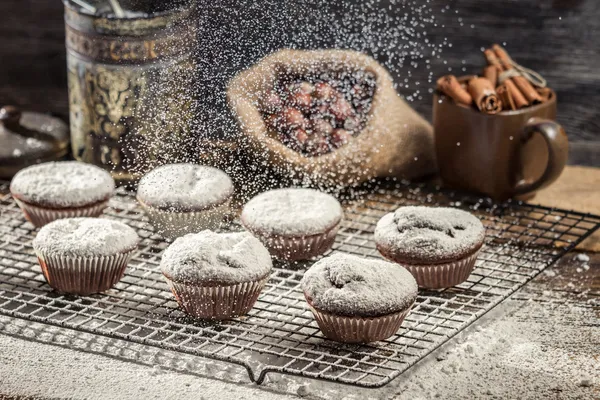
x: 279, y: 335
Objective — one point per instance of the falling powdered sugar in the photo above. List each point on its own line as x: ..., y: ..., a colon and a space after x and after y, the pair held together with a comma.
x: 292, y: 211
x: 85, y: 237
x: 223, y: 258
x: 62, y: 184
x: 183, y: 187
x: 429, y: 234
x: 349, y: 285
x: 582, y: 257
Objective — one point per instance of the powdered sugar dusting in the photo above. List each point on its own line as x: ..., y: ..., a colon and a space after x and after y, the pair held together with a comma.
x: 62, y: 184
x: 429, y: 234
x: 292, y: 211
x: 350, y: 285
x: 85, y: 237
x: 185, y: 187
x: 209, y: 257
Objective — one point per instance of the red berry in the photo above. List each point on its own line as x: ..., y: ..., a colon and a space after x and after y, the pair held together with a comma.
x: 295, y: 140
x: 301, y: 100
x: 293, y: 118
x: 324, y: 91
x: 305, y: 87
x: 321, y: 127
x: 299, y: 135
x: 341, y: 109
x: 340, y: 137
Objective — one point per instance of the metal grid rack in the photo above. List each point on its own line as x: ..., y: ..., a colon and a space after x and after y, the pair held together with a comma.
x: 280, y: 335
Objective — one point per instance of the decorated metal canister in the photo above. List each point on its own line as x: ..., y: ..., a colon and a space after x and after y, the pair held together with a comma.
x: 131, y: 86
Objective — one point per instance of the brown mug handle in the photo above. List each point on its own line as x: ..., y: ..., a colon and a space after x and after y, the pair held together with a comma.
x: 558, y: 151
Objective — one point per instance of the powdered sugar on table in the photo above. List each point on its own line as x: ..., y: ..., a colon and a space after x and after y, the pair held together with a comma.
x: 429, y: 234
x: 344, y: 284
x: 225, y: 258
x: 292, y: 211
x: 63, y: 184
x: 185, y: 187
x: 85, y: 237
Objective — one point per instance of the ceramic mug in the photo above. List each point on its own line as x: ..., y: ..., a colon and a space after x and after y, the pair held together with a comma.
x: 509, y: 154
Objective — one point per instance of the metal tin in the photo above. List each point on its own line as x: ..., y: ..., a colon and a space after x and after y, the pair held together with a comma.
x: 130, y: 85
x: 29, y: 138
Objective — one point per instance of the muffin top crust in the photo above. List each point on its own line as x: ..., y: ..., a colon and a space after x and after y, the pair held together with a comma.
x: 184, y: 187
x: 62, y: 184
x: 348, y: 285
x: 216, y: 258
x: 292, y: 212
x: 428, y: 235
x: 85, y: 237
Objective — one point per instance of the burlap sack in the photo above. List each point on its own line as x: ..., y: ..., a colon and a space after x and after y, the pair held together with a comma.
x: 397, y: 142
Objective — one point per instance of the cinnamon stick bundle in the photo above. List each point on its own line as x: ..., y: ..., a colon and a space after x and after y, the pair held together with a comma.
x: 450, y: 86
x: 491, y: 73
x: 521, y: 82
x: 485, y: 96
x: 545, y: 93
x: 518, y: 97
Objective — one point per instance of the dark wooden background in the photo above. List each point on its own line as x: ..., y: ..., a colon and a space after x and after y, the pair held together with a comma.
x: 558, y: 38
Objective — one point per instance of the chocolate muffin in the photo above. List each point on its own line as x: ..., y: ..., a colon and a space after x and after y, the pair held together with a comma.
x: 216, y: 275
x: 358, y: 300
x: 294, y: 223
x: 185, y: 198
x: 439, y: 246
x: 64, y: 189
x: 84, y: 255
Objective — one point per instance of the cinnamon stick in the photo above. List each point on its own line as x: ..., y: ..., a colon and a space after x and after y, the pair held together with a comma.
x: 485, y: 96
x: 450, y: 86
x: 545, y: 93
x: 491, y: 73
x: 518, y: 97
x: 522, y: 83
x: 508, y: 103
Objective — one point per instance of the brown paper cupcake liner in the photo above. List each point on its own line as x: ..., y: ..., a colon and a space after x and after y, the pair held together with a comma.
x: 83, y: 275
x: 172, y: 224
x: 217, y: 302
x: 40, y: 216
x: 295, y: 248
x: 358, y: 329
x: 439, y: 276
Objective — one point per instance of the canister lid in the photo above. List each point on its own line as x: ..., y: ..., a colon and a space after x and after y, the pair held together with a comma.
x: 29, y: 138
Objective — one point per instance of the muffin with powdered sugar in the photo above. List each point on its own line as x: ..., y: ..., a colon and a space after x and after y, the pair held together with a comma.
x: 438, y: 245
x: 358, y: 300
x: 294, y: 223
x: 216, y: 275
x: 185, y: 198
x: 62, y: 189
x: 84, y: 255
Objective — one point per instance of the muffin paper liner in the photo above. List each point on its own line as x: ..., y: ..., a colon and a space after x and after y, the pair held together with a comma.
x: 294, y: 248
x: 217, y: 302
x: 173, y: 224
x: 40, y: 216
x: 83, y: 275
x: 445, y: 275
x: 358, y: 329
